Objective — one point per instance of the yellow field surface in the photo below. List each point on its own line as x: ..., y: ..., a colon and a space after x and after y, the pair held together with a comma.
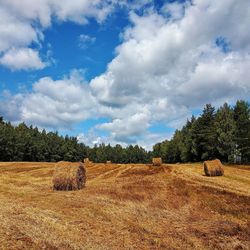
x: 125, y: 207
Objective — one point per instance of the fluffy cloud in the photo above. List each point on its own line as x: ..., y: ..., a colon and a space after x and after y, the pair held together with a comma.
x: 59, y: 103
x: 91, y: 139
x: 53, y: 103
x: 10, y: 106
x: 127, y: 129
x: 23, y: 23
x: 14, y: 32
x: 173, y: 10
x: 22, y: 58
x: 146, y: 141
x: 171, y: 64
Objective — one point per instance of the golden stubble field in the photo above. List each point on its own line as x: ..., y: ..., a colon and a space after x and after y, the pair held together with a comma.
x: 125, y: 207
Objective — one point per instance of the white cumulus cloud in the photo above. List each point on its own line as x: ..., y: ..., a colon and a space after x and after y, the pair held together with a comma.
x: 22, y: 58
x: 23, y: 23
x: 53, y: 103
x: 171, y: 64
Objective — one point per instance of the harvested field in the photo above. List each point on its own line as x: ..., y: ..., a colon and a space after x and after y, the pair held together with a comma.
x: 125, y: 207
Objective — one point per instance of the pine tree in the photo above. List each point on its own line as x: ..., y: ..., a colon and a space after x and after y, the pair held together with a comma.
x: 242, y: 120
x: 204, y: 135
x: 225, y: 130
x: 186, y: 148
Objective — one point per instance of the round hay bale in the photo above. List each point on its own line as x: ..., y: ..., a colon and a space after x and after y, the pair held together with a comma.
x: 69, y: 176
x: 213, y: 168
x: 108, y: 162
x: 86, y: 160
x: 157, y: 161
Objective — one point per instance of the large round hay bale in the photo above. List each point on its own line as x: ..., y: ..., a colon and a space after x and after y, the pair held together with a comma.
x: 108, y: 162
x: 213, y: 168
x: 69, y: 176
x: 157, y: 161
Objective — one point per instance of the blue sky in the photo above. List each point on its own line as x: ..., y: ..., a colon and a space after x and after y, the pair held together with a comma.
x: 120, y: 71
x: 63, y: 41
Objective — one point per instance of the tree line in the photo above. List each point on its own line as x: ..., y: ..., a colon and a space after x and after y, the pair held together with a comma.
x: 223, y: 133
x: 28, y: 143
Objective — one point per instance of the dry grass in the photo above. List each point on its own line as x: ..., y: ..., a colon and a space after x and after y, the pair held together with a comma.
x: 125, y: 207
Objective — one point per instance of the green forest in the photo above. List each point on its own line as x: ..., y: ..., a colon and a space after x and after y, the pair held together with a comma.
x: 223, y: 133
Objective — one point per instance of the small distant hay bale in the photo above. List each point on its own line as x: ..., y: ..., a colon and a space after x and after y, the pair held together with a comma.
x: 108, y: 162
x: 157, y: 161
x: 86, y: 160
x: 213, y: 168
x: 69, y: 176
